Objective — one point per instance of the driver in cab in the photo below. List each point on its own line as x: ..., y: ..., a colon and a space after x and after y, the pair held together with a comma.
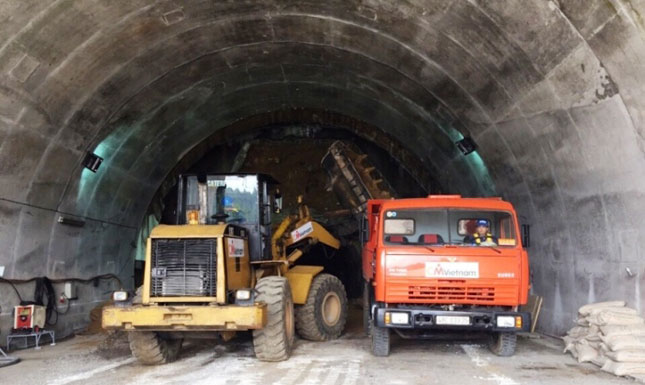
x: 482, y: 235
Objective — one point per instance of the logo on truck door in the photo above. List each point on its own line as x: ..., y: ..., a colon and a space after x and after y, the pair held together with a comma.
x: 452, y: 269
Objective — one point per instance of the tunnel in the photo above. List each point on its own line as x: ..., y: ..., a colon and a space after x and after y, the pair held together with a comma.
x: 550, y: 93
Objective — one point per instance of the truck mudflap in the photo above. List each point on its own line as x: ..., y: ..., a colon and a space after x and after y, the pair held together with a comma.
x: 192, y: 318
x: 479, y: 319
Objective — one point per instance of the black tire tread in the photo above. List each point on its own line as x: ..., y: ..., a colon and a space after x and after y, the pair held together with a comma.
x: 150, y: 349
x: 271, y: 343
x: 503, y: 344
x: 380, y: 341
x: 309, y: 321
x: 367, y: 319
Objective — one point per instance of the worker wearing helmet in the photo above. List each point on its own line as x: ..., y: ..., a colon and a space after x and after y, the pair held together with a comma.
x: 482, y: 235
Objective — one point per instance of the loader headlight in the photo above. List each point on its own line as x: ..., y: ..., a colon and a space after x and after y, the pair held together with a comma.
x: 120, y: 296
x: 243, y: 295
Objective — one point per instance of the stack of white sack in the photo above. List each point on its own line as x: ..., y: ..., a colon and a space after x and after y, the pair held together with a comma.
x: 611, y: 336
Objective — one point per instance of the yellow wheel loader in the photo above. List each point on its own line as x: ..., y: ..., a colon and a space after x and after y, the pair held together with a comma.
x: 221, y: 269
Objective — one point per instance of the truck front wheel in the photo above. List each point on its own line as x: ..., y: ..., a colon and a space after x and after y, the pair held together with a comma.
x: 275, y: 341
x: 503, y: 344
x: 367, y: 308
x: 380, y: 341
x: 150, y: 349
x: 323, y: 316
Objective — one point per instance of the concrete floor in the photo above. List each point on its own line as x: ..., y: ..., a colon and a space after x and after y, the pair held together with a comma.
x: 85, y: 360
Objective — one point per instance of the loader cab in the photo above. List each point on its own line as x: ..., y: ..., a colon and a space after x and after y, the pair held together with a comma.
x: 241, y: 199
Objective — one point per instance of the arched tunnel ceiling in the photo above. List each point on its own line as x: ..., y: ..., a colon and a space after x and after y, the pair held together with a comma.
x: 551, y: 91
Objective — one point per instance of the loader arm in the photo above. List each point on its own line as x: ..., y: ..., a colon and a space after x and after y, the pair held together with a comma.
x: 302, y: 231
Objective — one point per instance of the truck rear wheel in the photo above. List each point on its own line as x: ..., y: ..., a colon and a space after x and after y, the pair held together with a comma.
x: 324, y: 315
x: 503, y: 344
x: 380, y: 341
x: 275, y: 341
x: 150, y: 349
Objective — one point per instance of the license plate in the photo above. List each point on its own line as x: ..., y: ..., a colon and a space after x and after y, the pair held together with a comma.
x: 452, y: 320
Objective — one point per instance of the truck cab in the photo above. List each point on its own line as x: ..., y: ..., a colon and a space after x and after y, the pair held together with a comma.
x: 444, y: 263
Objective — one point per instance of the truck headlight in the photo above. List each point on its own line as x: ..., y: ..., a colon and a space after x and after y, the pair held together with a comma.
x: 505, y: 321
x: 120, y: 296
x: 397, y: 318
x: 243, y: 295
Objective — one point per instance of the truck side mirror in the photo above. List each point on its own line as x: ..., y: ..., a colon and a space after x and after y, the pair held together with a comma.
x: 526, y: 235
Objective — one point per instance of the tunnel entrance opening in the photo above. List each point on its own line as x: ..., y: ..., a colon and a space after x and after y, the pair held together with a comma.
x: 550, y: 91
x: 292, y: 153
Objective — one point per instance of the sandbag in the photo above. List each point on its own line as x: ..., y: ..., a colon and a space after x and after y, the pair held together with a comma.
x: 616, y: 343
x: 623, y: 368
x: 582, y: 322
x: 628, y: 355
x: 578, y: 332
x: 623, y: 330
x: 594, y: 334
x: 586, y: 353
x: 599, y: 360
x: 586, y: 309
x: 615, y: 310
x: 609, y: 317
x: 569, y: 345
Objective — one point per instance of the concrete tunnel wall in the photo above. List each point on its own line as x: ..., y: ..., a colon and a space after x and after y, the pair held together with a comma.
x: 551, y: 91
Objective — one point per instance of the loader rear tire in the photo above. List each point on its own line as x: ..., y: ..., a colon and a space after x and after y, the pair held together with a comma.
x: 380, y: 341
x: 274, y: 342
x: 150, y: 349
x: 323, y: 316
x: 503, y: 344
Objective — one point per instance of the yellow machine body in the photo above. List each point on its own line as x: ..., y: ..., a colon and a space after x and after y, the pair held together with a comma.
x: 205, y: 313
x: 234, y: 270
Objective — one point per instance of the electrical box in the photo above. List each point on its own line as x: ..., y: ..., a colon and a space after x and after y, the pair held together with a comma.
x: 29, y: 317
x: 69, y: 290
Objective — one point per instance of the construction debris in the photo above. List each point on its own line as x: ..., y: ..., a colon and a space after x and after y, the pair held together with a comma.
x: 610, y: 336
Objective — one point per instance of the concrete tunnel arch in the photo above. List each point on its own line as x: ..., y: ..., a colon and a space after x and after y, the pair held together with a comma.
x: 550, y: 92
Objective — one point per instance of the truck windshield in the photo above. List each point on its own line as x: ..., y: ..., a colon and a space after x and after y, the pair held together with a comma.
x: 437, y: 227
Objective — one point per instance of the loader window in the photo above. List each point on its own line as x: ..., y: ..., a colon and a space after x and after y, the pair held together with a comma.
x: 237, y: 198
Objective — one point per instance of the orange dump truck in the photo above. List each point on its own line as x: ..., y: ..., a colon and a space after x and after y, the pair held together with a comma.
x: 444, y: 263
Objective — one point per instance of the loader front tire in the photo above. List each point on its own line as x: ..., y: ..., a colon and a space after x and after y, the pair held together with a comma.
x: 274, y: 342
x: 150, y: 349
x: 323, y: 316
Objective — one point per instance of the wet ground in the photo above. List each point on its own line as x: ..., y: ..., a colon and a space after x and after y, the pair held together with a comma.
x: 89, y: 360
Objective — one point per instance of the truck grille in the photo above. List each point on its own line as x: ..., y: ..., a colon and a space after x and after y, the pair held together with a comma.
x: 183, y: 267
x: 451, y: 290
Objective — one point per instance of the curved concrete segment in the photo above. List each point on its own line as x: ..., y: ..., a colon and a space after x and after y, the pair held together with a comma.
x: 551, y: 91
